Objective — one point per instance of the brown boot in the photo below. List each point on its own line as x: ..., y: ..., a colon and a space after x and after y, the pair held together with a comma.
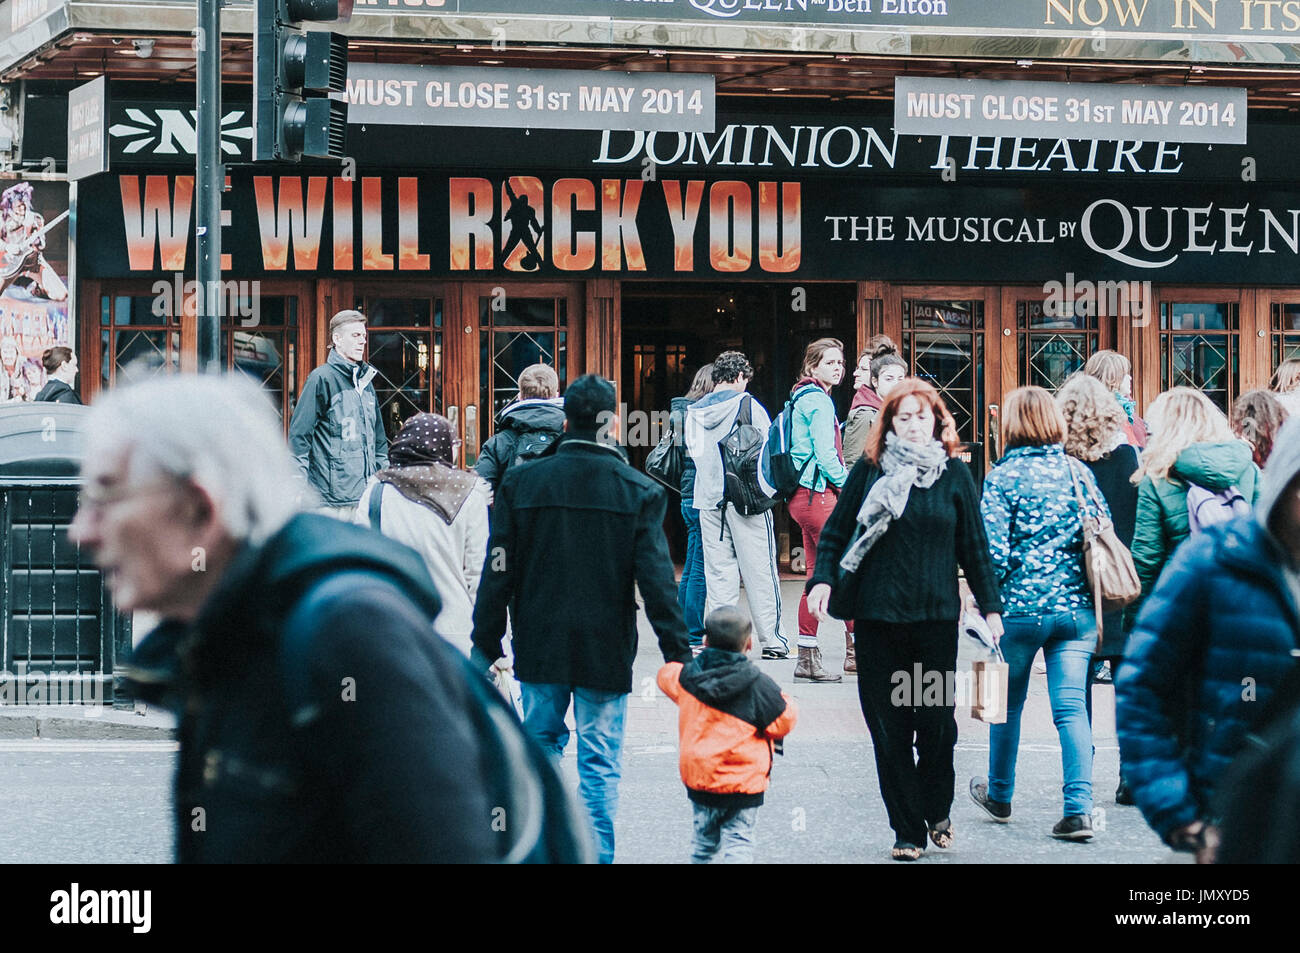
x: 810, y: 668
x: 850, y: 655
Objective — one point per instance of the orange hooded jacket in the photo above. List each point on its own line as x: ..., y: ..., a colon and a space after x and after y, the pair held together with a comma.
x: 730, y: 715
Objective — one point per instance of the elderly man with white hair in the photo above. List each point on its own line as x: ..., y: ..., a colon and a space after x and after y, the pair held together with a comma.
x: 321, y: 719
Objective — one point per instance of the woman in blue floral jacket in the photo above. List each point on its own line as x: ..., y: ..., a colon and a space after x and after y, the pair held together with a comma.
x: 1035, y: 531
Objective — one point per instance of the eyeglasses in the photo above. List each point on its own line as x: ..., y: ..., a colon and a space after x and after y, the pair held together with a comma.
x: 96, y: 499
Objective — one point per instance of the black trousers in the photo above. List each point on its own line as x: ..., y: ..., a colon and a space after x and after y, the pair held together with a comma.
x: 901, y: 716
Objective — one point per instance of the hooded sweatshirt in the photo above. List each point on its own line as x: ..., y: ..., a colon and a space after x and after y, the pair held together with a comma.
x: 708, y: 421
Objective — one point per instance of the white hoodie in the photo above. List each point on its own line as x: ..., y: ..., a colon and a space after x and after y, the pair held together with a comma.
x: 708, y: 421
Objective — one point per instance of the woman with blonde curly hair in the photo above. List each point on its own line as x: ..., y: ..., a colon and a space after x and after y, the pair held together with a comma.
x: 1193, y: 446
x: 1094, y: 434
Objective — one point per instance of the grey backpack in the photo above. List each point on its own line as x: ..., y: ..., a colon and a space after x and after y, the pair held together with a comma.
x: 1205, y: 507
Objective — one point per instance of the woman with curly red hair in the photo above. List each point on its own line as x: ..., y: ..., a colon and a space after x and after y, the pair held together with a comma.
x: 908, y: 516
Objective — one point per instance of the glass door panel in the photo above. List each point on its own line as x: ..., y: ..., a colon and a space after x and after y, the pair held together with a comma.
x: 135, y: 340
x: 515, y: 332
x: 1199, y: 347
x: 943, y: 343
x: 267, y: 349
x: 405, y: 346
x: 1285, y: 334
x: 1053, y: 340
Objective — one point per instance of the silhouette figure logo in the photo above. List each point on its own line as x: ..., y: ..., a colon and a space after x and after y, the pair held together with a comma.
x: 523, y: 223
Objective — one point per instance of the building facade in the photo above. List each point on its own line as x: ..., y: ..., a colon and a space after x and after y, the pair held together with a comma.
x: 994, y: 262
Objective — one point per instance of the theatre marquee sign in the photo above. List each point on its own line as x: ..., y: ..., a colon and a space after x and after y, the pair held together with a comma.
x: 553, y: 225
x: 1178, y: 19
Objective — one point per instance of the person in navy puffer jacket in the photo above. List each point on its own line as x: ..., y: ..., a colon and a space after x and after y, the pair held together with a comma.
x: 1214, y: 640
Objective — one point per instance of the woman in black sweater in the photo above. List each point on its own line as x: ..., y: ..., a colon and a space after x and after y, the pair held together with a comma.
x: 1095, y: 434
x: 908, y: 515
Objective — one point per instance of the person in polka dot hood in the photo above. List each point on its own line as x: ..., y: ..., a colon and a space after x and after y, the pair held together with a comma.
x: 439, y: 511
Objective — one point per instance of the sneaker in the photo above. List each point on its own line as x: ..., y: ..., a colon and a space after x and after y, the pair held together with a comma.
x: 1123, y: 795
x: 1074, y: 827
x: 999, y: 811
x: 776, y: 651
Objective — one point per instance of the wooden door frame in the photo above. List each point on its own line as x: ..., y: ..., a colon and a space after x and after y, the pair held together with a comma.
x: 1147, y: 372
x: 1011, y: 295
x: 993, y: 369
x: 1262, y: 343
x: 88, y: 332
x: 575, y: 294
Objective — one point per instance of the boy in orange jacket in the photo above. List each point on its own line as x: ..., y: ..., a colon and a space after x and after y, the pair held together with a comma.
x: 730, y: 717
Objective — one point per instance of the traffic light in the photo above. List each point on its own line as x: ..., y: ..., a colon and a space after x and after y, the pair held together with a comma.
x: 294, y: 72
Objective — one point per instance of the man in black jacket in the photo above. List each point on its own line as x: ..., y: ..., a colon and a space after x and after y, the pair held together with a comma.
x: 61, y: 372
x: 573, y: 534
x: 321, y: 718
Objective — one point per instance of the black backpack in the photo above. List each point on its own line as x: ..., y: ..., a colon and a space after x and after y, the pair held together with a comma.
x: 532, y: 444
x: 531, y: 808
x: 742, y: 458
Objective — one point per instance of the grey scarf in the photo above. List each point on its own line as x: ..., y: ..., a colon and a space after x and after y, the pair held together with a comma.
x: 903, y: 465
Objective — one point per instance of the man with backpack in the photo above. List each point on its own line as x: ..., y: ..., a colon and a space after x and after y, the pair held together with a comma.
x: 322, y: 720
x: 527, y: 428
x: 736, y: 530
x: 575, y: 536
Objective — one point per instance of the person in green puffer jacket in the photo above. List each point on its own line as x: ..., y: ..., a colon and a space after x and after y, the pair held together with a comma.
x: 1192, y: 444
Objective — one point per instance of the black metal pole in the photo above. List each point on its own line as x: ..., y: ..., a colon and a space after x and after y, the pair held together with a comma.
x: 210, y: 180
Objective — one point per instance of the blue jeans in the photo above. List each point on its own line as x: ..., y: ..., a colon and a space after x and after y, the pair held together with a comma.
x: 690, y: 593
x: 1067, y: 640
x: 599, y: 718
x: 732, y: 829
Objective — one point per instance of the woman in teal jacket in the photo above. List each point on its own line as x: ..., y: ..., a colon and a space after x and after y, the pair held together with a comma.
x: 815, y: 450
x: 1192, y: 444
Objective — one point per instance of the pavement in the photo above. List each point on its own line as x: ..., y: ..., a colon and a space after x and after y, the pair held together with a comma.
x: 824, y: 803
x: 86, y: 722
x: 95, y: 788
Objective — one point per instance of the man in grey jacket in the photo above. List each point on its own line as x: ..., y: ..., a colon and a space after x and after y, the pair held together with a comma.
x: 336, y: 434
x: 735, y: 547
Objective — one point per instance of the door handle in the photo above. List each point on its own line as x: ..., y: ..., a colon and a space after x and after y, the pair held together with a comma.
x: 471, y: 435
x: 994, y: 434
